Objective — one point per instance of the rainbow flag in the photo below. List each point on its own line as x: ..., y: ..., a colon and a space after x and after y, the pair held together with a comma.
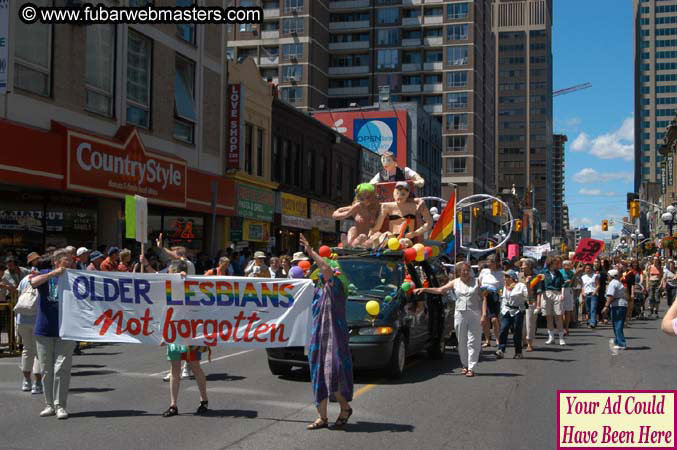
x: 444, y: 230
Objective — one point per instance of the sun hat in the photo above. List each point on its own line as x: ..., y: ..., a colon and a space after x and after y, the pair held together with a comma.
x: 81, y: 251
x: 259, y: 254
x: 95, y: 255
x: 299, y: 256
x: 32, y: 256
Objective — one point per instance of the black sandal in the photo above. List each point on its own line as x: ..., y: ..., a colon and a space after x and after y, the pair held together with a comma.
x: 321, y: 422
x: 203, y: 408
x: 341, y: 421
x: 172, y: 411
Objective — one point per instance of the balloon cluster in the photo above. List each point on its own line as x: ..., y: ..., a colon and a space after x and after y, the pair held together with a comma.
x: 419, y: 252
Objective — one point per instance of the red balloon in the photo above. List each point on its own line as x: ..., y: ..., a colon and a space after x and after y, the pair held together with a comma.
x: 428, y: 252
x: 410, y: 254
x: 325, y: 251
x: 305, y: 265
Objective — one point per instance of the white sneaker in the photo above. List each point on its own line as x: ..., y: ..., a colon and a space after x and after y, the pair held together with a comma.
x: 48, y: 411
x: 167, y: 377
x: 61, y: 413
x: 612, y: 347
x: 186, y: 372
x: 26, y: 386
x: 37, y: 389
x: 551, y: 340
x: 562, y: 342
x: 618, y: 347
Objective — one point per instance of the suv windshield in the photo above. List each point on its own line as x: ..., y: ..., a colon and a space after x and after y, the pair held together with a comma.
x: 372, y: 276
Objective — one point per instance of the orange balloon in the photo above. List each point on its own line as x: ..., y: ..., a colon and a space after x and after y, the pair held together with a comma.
x: 305, y: 265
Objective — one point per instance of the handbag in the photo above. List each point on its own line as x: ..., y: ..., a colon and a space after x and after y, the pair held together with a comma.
x: 28, y: 302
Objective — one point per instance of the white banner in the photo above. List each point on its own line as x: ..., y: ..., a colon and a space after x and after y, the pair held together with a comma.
x: 4, y: 44
x: 197, y: 310
x: 537, y: 251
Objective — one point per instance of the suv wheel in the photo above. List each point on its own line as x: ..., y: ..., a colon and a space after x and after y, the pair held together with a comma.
x: 277, y: 368
x: 395, y: 368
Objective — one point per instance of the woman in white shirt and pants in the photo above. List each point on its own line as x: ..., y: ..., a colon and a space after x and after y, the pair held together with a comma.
x: 513, y: 305
x: 467, y: 317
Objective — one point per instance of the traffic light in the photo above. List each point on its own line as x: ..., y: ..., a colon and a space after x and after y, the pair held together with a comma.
x: 564, y: 248
x: 491, y: 244
x: 634, y: 209
x: 518, y: 225
x: 605, y: 225
x: 631, y: 198
x: 496, y: 209
x: 476, y: 212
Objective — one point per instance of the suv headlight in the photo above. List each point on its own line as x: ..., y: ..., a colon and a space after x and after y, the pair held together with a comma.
x: 375, y: 331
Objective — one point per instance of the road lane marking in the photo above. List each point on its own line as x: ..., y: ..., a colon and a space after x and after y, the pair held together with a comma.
x: 380, y: 382
x: 205, y: 362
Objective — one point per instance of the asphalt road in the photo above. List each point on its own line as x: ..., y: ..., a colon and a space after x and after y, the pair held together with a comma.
x: 117, y: 396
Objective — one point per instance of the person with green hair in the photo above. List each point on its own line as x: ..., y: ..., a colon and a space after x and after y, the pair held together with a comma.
x: 364, y: 210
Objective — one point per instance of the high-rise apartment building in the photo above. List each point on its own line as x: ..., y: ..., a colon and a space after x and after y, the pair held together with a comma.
x: 557, y: 185
x: 341, y: 53
x: 523, y: 33
x: 655, y: 84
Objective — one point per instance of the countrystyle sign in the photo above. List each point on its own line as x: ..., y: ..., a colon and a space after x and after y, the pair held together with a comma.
x: 101, y: 166
x: 235, y: 124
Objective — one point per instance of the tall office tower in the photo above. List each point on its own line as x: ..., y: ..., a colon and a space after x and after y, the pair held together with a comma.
x: 523, y: 31
x: 655, y: 85
x: 558, y: 152
x: 343, y: 53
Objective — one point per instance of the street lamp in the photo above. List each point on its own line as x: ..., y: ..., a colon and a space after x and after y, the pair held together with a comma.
x: 668, y: 218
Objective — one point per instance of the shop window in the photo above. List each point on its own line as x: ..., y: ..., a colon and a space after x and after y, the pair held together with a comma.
x: 310, y: 170
x: 100, y: 69
x: 184, y: 100
x: 187, y: 231
x: 277, y: 166
x: 33, y: 55
x: 288, y: 170
x: 138, y: 79
x: 259, y: 152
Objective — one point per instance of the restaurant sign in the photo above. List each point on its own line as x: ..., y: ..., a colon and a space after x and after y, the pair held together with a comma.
x: 255, y: 203
x: 322, y: 216
x: 102, y: 166
x: 294, y: 211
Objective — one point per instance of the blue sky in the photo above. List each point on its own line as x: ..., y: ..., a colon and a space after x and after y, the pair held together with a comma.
x: 593, y: 41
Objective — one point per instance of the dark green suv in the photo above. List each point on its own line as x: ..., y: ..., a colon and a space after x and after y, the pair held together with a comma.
x: 407, y: 324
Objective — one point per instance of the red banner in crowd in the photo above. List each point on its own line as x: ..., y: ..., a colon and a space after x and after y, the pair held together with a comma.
x: 588, y: 250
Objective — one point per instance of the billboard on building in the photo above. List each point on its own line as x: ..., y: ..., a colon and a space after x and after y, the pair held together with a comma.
x: 235, y: 125
x: 377, y: 130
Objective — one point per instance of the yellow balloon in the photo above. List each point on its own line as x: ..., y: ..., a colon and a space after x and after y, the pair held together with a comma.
x: 393, y: 244
x: 436, y: 250
x: 419, y: 248
x: 373, y: 307
x: 420, y: 256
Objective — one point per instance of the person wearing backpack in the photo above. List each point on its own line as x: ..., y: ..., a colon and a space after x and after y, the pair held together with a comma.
x: 25, y: 324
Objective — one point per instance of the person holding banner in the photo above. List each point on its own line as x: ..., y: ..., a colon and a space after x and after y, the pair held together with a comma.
x: 331, y: 367
x: 192, y: 355
x: 54, y: 353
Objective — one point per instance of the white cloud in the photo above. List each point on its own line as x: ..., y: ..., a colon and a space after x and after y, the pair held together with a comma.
x: 573, y: 122
x: 616, y: 144
x: 596, y: 192
x: 589, y: 175
x: 597, y: 233
x: 580, y: 143
x: 581, y: 222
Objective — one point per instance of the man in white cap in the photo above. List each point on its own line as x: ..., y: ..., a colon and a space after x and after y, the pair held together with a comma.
x: 616, y: 300
x: 298, y: 256
x: 259, y: 269
x: 82, y: 256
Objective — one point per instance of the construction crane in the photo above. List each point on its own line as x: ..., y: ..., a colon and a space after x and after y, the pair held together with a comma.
x: 571, y: 89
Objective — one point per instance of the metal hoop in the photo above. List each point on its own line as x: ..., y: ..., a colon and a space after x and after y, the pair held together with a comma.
x: 482, y: 198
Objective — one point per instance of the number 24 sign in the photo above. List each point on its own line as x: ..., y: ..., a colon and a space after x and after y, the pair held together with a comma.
x: 588, y: 250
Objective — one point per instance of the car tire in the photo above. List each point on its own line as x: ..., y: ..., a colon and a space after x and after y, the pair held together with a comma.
x: 278, y: 368
x: 437, y: 349
x: 395, y: 367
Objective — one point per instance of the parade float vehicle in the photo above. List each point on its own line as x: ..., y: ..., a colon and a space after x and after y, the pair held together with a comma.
x: 386, y: 321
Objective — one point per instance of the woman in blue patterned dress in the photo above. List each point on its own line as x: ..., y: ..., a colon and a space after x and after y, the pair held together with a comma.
x: 331, y: 367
